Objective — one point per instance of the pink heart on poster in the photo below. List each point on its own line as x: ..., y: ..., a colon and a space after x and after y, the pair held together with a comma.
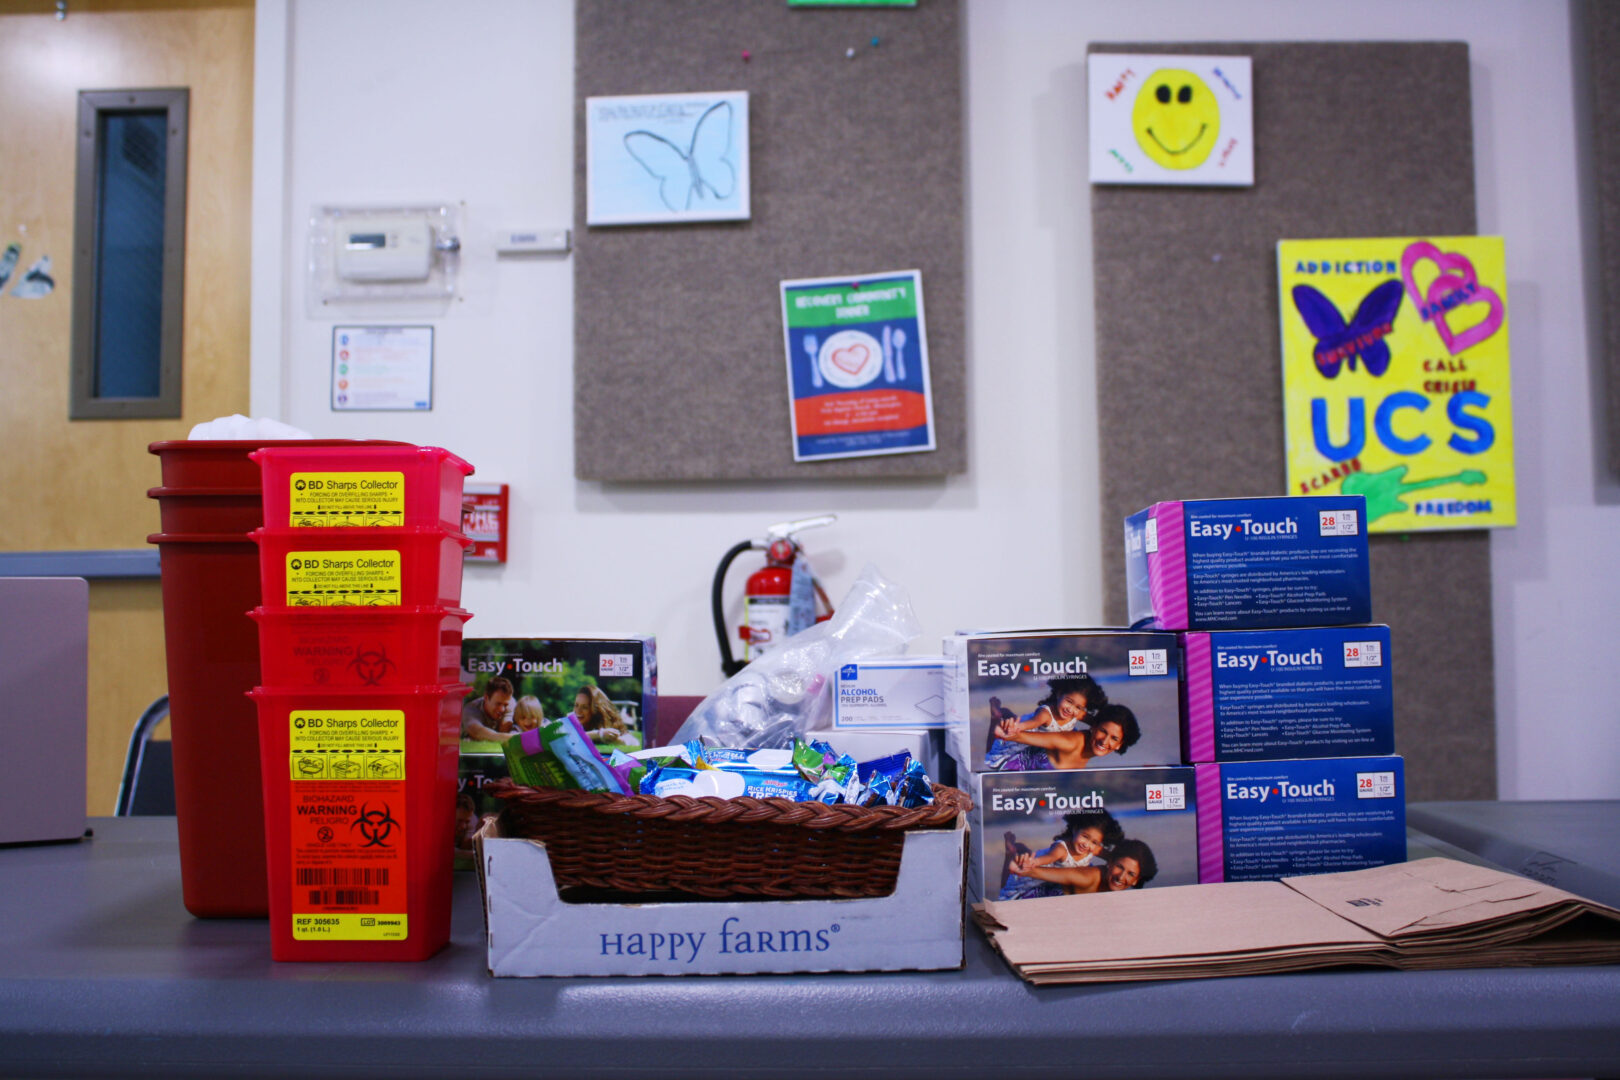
x: 1456, y: 276
x: 1445, y: 286
x: 852, y: 359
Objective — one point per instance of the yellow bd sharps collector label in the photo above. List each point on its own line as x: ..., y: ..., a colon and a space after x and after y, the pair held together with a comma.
x: 347, y: 498
x: 342, y: 578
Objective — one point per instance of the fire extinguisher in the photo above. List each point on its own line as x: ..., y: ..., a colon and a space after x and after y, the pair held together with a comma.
x: 768, y: 596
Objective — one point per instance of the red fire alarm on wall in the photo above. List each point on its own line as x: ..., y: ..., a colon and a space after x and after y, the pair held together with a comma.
x: 483, y: 518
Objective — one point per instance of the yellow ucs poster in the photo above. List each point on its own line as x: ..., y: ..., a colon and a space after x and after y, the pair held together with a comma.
x: 1395, y: 378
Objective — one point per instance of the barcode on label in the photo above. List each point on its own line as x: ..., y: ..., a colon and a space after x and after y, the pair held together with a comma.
x: 344, y: 897
x: 342, y: 875
x: 1364, y: 654
x: 1149, y: 662
x: 1167, y: 797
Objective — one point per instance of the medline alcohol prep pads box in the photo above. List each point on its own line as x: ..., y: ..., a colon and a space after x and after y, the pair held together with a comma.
x: 1037, y: 701
x: 1267, y: 694
x: 1261, y: 820
x: 901, y: 691
x: 1091, y: 831
x: 1240, y: 564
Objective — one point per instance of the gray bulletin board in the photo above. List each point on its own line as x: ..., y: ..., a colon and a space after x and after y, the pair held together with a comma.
x: 679, y: 372
x: 1598, y: 65
x: 1351, y: 140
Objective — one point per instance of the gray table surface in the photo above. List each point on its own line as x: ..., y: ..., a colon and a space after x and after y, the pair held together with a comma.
x: 102, y: 972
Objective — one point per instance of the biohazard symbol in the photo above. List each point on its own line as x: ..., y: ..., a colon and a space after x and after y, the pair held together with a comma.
x: 371, y: 665
x: 375, y: 825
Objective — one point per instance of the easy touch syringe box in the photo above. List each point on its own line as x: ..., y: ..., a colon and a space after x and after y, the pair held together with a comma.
x: 1120, y: 828
x: 1262, y: 820
x: 1239, y: 564
x: 1051, y: 700
x: 1251, y: 695
x: 893, y: 692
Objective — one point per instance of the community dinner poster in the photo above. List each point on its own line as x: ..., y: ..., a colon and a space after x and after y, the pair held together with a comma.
x: 1395, y: 378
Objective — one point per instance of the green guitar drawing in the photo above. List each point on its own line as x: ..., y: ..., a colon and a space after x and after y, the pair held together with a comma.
x: 1384, y: 489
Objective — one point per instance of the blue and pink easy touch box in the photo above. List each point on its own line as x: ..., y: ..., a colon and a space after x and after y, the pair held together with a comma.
x: 1238, y: 564
x: 1262, y: 820
x: 1250, y: 695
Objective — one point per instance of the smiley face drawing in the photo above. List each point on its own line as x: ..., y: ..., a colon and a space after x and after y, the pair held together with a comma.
x: 1176, y: 119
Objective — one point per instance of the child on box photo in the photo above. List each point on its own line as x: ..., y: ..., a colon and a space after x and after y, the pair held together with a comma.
x: 1091, y: 855
x: 1069, y: 729
x: 495, y: 712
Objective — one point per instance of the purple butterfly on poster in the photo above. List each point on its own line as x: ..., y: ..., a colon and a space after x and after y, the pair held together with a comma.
x: 1363, y: 336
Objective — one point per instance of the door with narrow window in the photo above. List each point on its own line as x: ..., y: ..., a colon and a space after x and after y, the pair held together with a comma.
x: 80, y: 483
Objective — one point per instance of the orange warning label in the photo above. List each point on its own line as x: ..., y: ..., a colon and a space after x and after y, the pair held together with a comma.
x: 348, y: 860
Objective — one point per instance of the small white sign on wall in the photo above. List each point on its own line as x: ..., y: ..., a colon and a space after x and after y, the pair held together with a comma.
x: 1160, y: 119
x: 382, y: 368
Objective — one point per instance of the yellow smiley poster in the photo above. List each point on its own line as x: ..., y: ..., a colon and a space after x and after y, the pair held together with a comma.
x: 1162, y: 119
x: 1396, y: 379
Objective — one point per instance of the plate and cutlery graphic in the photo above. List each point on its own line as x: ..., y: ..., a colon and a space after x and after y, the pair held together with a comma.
x: 853, y: 358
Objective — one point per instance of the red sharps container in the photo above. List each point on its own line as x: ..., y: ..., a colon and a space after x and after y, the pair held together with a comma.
x: 360, y: 573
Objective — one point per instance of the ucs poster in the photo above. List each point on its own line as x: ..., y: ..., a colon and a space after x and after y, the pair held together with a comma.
x: 1396, y: 379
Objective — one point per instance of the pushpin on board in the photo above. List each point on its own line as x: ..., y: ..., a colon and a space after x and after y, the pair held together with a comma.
x: 876, y: 42
x: 746, y: 56
x: 849, y: 54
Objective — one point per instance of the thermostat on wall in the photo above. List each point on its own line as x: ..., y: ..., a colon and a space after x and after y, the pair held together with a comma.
x: 361, y: 254
x: 384, y: 249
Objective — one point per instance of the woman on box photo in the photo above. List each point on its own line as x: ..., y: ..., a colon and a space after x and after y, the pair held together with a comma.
x: 1130, y: 865
x: 597, y: 715
x: 1113, y: 730
x: 1087, y: 836
x: 1069, y: 703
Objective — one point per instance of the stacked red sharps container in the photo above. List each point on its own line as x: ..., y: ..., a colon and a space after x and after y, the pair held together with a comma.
x: 360, y: 560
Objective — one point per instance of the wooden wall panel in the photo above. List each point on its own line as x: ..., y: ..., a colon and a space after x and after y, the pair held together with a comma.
x: 82, y: 484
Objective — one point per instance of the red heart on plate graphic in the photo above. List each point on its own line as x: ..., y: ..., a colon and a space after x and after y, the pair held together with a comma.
x: 851, y: 359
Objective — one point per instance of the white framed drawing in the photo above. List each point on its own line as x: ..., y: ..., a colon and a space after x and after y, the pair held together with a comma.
x: 666, y: 158
x: 1162, y: 119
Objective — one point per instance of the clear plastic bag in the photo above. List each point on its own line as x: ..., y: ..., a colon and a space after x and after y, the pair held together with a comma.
x: 788, y: 691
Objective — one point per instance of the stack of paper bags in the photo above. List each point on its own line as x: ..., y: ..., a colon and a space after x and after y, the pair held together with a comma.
x: 1434, y: 913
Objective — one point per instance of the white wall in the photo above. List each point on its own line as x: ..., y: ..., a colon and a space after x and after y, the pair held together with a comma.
x: 412, y: 99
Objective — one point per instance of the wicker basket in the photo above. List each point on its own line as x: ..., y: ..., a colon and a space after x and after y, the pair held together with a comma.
x: 718, y: 847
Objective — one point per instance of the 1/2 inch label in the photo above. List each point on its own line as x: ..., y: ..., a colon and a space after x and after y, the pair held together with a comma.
x: 346, y: 498
x: 343, y: 578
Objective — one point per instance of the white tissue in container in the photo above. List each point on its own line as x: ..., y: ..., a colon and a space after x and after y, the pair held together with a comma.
x: 896, y: 691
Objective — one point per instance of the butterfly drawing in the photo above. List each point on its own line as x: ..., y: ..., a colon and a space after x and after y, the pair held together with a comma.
x: 1363, y: 336
x: 703, y: 168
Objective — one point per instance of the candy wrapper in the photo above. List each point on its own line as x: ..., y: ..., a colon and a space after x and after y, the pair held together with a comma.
x: 558, y: 754
x: 810, y: 771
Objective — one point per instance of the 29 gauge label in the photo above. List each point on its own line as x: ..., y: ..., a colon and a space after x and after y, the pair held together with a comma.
x: 348, y: 825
